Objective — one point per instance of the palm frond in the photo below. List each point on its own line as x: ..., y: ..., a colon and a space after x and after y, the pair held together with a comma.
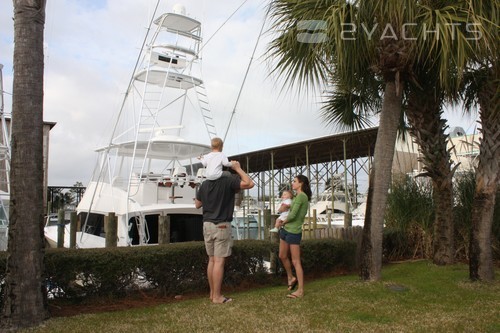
x: 347, y: 110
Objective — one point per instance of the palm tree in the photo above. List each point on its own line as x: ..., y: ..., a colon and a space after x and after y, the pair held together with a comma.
x: 424, y: 114
x: 441, y: 75
x: 356, y: 59
x: 482, y: 89
x: 24, y: 302
x: 351, y: 59
x: 61, y: 199
x: 437, y: 77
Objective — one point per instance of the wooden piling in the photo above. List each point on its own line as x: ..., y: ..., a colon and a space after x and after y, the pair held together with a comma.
x: 72, y: 229
x: 111, y: 230
x: 315, y: 222
x: 329, y: 218
x: 60, y: 228
x: 259, y: 225
x: 347, y: 220
x: 267, y: 223
x: 164, y: 230
x: 270, y: 235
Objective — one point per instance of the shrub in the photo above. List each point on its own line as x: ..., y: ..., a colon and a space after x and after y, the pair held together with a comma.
x: 409, y: 219
x: 410, y: 214
x: 174, y: 268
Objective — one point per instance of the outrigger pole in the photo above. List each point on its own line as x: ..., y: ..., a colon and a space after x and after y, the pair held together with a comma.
x: 246, y: 74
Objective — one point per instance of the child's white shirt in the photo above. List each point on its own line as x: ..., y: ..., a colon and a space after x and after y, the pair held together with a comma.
x: 213, y: 163
x: 284, y: 214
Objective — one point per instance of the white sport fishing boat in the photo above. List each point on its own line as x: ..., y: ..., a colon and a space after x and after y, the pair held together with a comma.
x: 149, y: 169
x: 335, y: 204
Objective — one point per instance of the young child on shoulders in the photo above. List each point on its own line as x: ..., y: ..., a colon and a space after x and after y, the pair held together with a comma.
x: 286, y: 202
x: 215, y: 160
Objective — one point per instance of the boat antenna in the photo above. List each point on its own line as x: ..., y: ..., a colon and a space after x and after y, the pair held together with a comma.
x: 246, y: 73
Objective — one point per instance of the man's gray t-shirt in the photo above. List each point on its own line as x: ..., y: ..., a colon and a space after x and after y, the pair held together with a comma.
x: 217, y: 197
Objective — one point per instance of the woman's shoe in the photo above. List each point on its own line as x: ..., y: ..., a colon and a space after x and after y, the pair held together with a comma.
x: 292, y: 285
x: 293, y: 295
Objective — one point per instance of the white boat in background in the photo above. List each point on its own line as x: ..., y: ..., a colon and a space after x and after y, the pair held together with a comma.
x: 334, y: 205
x: 247, y: 219
x: 149, y: 168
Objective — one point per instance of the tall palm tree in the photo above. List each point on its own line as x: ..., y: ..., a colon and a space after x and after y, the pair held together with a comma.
x: 438, y: 72
x: 437, y: 78
x: 487, y: 179
x: 427, y: 127
x: 482, y: 90
x: 24, y: 302
x: 351, y: 58
x: 479, y: 86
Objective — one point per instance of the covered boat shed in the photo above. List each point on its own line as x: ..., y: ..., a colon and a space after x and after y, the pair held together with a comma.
x: 346, y: 154
x: 325, y: 149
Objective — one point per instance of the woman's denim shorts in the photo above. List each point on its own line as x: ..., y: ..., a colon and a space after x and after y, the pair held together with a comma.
x: 289, y: 237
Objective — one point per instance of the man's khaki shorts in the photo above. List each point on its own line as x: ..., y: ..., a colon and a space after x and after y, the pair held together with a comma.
x: 218, y: 240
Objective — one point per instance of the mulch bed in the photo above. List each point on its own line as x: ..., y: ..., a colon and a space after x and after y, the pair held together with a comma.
x: 66, y: 308
x: 141, y: 299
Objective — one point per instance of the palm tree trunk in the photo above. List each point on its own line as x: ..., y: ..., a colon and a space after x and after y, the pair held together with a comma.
x: 487, y: 178
x: 380, y: 178
x: 444, y: 231
x: 25, y: 302
x: 427, y: 128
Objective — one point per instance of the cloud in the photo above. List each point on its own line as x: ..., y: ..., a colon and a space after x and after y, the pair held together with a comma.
x: 92, y: 46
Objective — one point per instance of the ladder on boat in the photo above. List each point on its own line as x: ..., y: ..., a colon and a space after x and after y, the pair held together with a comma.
x: 147, y: 124
x: 168, y: 66
x: 142, y: 229
x: 206, y: 113
x: 166, y: 86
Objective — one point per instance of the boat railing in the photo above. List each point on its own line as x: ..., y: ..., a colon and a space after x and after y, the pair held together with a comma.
x: 175, y: 187
x: 176, y: 49
x: 160, y: 179
x: 165, y: 180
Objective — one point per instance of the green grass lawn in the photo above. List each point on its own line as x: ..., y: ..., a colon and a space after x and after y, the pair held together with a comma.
x: 412, y: 297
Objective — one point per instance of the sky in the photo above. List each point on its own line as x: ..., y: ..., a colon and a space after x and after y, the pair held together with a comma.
x: 91, y: 47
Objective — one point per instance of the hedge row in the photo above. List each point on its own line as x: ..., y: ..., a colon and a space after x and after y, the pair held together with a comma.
x: 175, y: 268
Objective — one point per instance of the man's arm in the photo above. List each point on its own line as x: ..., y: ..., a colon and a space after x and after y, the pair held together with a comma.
x: 245, y: 183
x: 197, y: 203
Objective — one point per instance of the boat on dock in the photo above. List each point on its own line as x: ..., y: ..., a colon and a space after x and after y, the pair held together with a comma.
x: 248, y: 220
x: 149, y: 171
x: 335, y: 204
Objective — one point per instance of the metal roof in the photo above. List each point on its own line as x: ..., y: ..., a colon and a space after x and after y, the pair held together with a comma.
x: 319, y: 150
